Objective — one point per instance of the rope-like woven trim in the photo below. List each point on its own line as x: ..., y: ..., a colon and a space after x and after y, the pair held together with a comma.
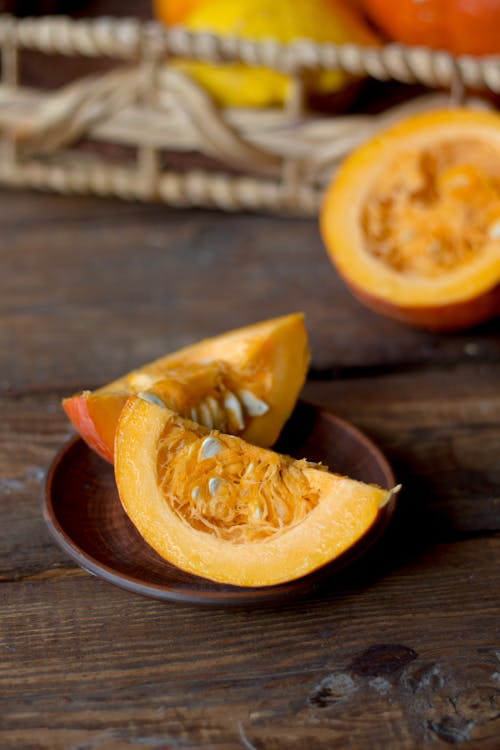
x: 287, y: 166
x: 131, y: 39
x: 194, y: 188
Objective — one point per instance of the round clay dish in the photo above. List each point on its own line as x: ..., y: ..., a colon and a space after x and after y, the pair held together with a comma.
x: 83, y: 512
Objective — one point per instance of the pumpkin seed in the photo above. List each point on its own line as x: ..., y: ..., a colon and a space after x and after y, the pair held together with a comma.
x: 407, y: 235
x: 217, y: 412
x: 234, y: 410
x: 253, y: 406
x: 435, y: 248
x: 152, y: 398
x: 213, y: 485
x: 205, y: 415
x: 195, y: 493
x: 281, y: 510
x: 494, y: 231
x: 210, y: 447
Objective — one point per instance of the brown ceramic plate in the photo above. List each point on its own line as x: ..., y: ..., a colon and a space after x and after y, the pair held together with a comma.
x: 84, y: 514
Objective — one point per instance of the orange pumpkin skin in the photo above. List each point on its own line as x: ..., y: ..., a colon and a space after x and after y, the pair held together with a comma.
x: 173, y: 12
x: 412, y: 220
x: 440, y: 319
x: 95, y: 419
x: 459, y: 26
x: 271, y: 357
x: 219, y: 508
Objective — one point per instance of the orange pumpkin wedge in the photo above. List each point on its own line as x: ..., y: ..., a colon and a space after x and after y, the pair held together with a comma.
x: 218, y: 507
x: 246, y: 382
x: 412, y: 220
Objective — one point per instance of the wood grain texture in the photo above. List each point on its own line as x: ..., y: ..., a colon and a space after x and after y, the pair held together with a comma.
x: 149, y: 280
x: 441, y: 435
x: 402, y: 650
x: 108, y: 665
x: 400, y: 653
x: 441, y: 430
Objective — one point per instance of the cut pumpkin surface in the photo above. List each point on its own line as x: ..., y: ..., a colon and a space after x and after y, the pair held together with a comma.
x: 412, y: 219
x: 243, y: 382
x: 221, y: 508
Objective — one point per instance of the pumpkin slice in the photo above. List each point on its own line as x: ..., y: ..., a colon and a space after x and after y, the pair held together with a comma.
x: 220, y: 508
x: 412, y: 220
x: 243, y: 382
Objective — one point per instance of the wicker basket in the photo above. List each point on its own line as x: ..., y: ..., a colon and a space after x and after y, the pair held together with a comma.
x: 267, y: 160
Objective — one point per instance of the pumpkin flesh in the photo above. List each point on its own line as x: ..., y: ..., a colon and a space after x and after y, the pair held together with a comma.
x: 412, y: 221
x: 245, y: 382
x: 231, y: 512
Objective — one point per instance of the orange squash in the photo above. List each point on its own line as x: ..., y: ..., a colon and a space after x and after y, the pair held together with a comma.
x: 173, y: 12
x: 459, y: 26
x: 412, y: 220
x: 220, y: 508
x: 244, y: 382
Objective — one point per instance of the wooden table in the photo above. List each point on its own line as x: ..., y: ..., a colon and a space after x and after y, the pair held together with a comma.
x: 401, y: 652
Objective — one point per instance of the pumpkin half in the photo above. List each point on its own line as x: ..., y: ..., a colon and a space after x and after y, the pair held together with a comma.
x: 246, y: 382
x: 412, y: 220
x: 218, y: 507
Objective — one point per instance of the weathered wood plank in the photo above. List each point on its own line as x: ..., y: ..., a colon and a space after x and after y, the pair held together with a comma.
x: 443, y: 441
x: 441, y: 431
x: 83, y: 662
x: 86, y: 296
x: 401, y: 651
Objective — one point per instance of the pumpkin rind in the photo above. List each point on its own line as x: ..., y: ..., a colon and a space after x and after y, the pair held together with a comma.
x: 273, y: 354
x: 346, y: 510
x: 96, y: 419
x: 445, y: 318
x: 453, y: 298
x: 460, y: 26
